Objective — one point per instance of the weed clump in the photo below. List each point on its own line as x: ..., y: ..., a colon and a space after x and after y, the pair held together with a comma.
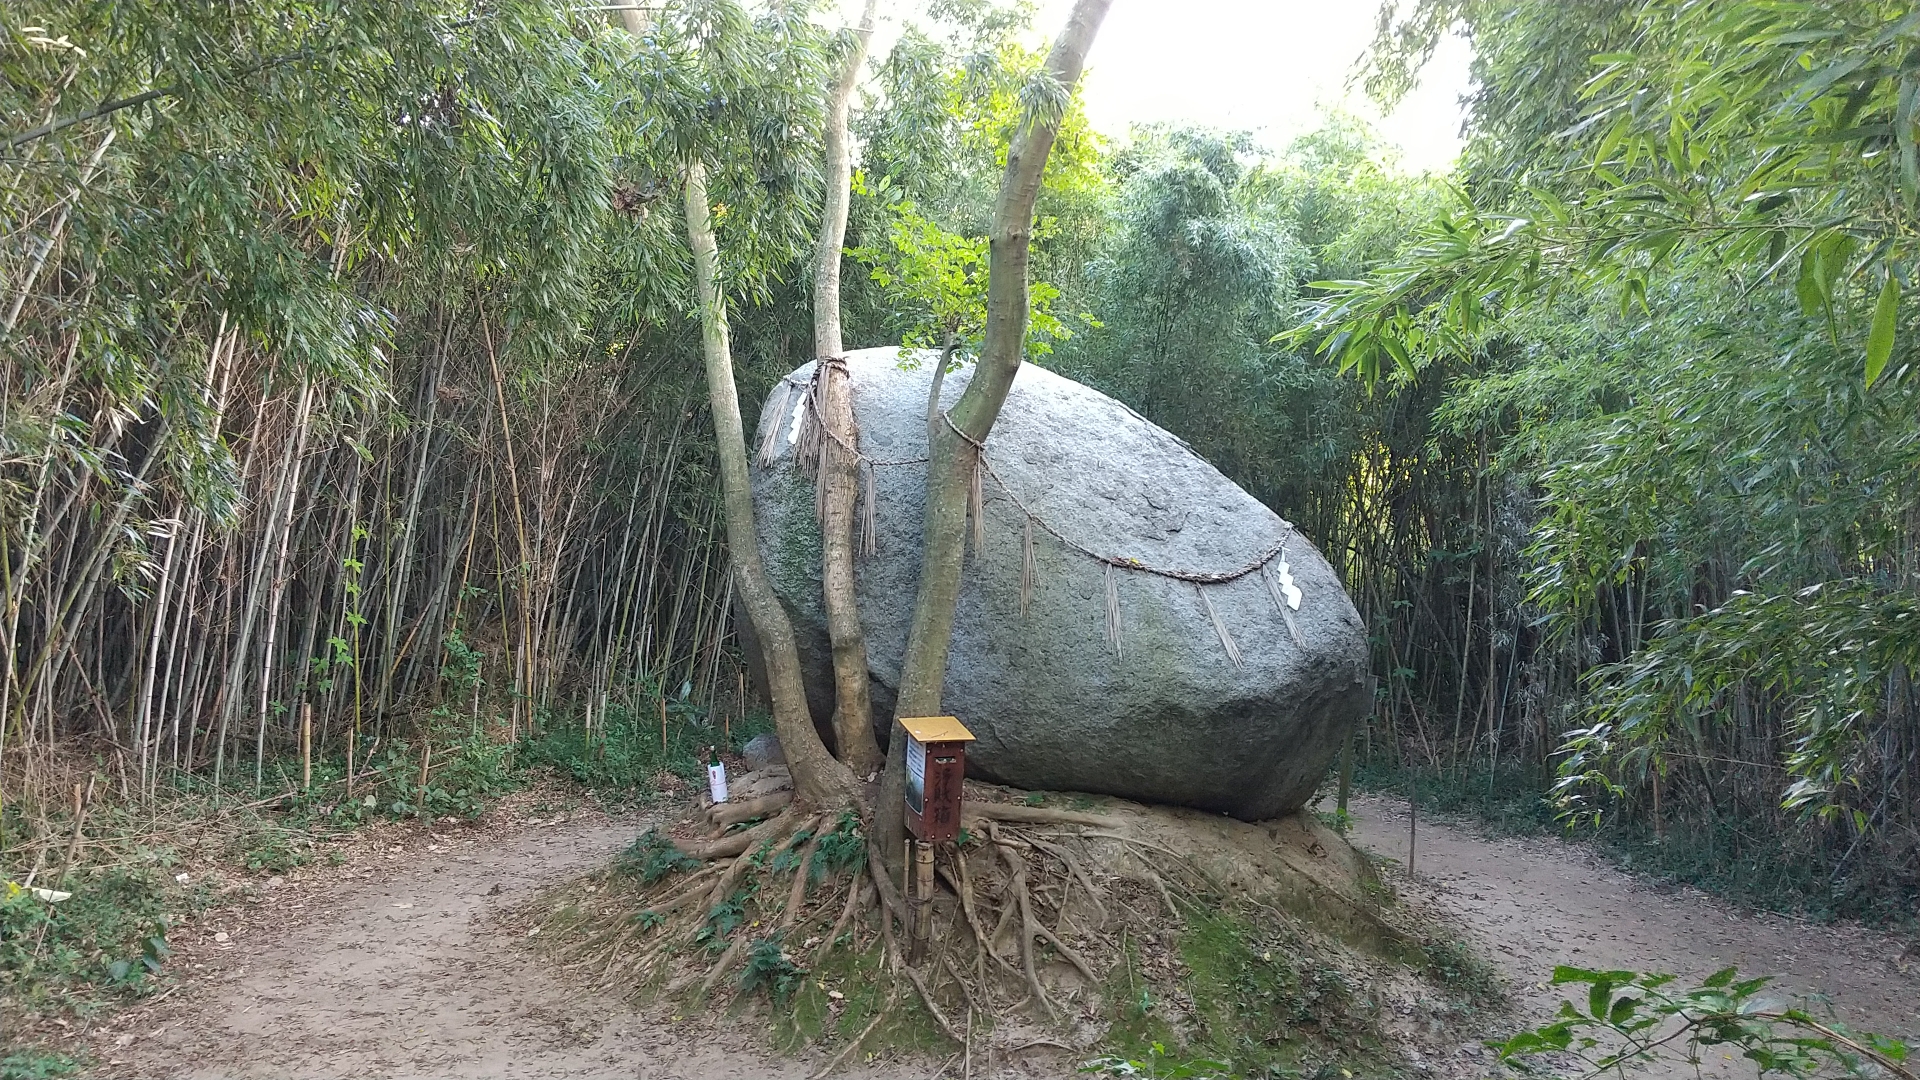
x: 110, y: 934
x: 652, y: 857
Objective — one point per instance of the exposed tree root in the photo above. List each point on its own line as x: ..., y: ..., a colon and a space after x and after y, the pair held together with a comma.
x: 733, y: 813
x: 1043, y: 920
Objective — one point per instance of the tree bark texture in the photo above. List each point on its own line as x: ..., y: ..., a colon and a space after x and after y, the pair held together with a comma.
x: 817, y: 777
x: 952, y: 453
x: 840, y: 469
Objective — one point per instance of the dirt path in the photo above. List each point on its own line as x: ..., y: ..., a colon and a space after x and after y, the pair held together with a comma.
x: 392, y: 966
x: 1537, y: 902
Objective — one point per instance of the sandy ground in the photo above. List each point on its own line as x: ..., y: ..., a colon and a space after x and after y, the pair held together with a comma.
x: 393, y: 964
x: 1533, y: 903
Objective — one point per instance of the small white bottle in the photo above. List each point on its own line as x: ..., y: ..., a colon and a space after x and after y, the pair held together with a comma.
x: 716, y: 775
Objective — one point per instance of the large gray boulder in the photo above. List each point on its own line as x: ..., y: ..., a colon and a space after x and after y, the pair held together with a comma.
x: 1172, y: 718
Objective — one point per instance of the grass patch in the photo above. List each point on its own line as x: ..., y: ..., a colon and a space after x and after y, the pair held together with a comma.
x: 815, y: 1016
x: 36, y: 1065
x: 1253, y: 998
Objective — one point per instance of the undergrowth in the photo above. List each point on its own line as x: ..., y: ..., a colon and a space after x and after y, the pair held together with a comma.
x: 622, y: 758
x: 36, y: 1065
x: 1764, y: 863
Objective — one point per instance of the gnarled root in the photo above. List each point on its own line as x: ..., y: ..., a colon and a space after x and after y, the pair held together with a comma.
x: 1030, y: 916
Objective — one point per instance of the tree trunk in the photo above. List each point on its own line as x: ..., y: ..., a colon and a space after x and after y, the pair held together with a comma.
x: 951, y: 451
x: 839, y: 468
x: 817, y: 777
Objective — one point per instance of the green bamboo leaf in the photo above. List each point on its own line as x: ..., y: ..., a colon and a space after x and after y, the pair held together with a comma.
x: 1880, y: 340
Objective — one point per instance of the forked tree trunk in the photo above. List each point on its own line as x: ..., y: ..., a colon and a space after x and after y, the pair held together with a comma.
x: 839, y: 469
x: 951, y: 450
x: 817, y: 777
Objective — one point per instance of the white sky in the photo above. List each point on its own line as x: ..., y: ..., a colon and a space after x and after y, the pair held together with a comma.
x: 1264, y: 66
x: 1270, y: 66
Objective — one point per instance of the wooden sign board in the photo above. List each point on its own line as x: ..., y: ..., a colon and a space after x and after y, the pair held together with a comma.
x: 936, y: 764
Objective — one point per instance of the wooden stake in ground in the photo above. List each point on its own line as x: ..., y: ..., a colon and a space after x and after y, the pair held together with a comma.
x: 922, y: 901
x: 1413, y: 820
x: 306, y: 746
x: 426, y: 761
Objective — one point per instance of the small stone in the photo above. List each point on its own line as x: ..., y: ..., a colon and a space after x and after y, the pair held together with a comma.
x: 222, y: 937
x: 763, y: 752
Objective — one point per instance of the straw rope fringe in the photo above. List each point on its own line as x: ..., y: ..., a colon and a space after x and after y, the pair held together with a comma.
x: 1113, y: 611
x: 1219, y: 627
x: 976, y: 505
x: 777, y: 410
x: 1280, y: 602
x: 869, y: 523
x: 1027, y: 566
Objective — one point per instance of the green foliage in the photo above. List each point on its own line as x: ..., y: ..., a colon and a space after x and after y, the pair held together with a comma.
x: 109, y: 934
x: 271, y: 849
x: 1772, y: 138
x: 1265, y: 1002
x: 841, y: 850
x: 1663, y: 309
x: 36, y: 1065
x: 622, y: 758
x: 651, y: 857
x: 1261, y: 997
x: 948, y: 97
x: 1821, y: 652
x: 769, y: 968
x: 1635, y: 1020
x: 723, y: 919
x: 935, y: 281
x: 470, y: 775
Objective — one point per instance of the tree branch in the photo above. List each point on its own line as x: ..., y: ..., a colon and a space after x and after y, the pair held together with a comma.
x: 94, y: 113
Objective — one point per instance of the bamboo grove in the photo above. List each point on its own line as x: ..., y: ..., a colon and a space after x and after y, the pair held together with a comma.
x: 338, y: 392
